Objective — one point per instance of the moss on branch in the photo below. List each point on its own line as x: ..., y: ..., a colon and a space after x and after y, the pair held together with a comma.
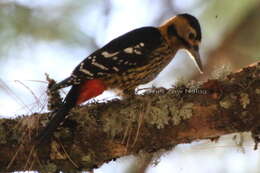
x: 158, y: 119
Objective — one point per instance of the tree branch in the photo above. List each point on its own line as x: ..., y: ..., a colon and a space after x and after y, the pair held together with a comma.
x: 159, y: 119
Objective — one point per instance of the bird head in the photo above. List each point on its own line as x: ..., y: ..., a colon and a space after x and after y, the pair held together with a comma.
x: 183, y: 32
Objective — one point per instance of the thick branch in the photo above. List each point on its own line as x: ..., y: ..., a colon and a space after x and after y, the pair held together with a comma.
x: 159, y: 119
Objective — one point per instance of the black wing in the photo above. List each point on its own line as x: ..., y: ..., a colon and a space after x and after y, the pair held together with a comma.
x: 125, y: 52
x: 128, y: 51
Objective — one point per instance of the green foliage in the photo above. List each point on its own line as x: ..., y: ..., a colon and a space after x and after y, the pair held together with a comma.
x: 20, y: 22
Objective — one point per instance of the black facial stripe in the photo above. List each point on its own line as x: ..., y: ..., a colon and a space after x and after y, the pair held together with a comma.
x: 171, y: 31
x: 196, y: 48
x: 187, y: 45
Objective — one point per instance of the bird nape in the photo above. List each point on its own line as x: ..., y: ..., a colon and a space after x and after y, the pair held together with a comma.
x: 134, y: 58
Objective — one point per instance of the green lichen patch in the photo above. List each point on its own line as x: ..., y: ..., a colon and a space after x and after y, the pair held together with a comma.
x: 84, y: 111
x: 158, y: 117
x: 55, y: 152
x: 182, y: 112
x: 87, y: 159
x: 193, y: 85
x: 176, y: 119
x: 244, y: 100
x: 158, y: 112
x: 49, y: 167
x: 63, y: 132
x: 226, y: 102
x: 186, y: 111
x: 220, y: 73
x: 115, y: 123
x: 257, y: 90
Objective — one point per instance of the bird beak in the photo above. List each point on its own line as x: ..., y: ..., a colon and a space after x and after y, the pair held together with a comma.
x: 195, y: 56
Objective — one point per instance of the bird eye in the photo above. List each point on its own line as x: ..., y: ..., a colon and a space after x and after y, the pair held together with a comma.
x: 191, y: 36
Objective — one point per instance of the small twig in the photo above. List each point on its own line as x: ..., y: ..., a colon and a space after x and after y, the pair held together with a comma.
x: 140, y: 121
x: 13, y: 158
x: 13, y: 95
x: 126, y: 132
x: 64, y: 150
x: 30, y: 90
x: 29, y: 157
x: 128, y: 138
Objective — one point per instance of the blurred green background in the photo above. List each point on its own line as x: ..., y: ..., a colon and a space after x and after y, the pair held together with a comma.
x: 48, y: 36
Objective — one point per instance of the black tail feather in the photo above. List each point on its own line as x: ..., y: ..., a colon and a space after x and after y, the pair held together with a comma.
x: 60, y: 115
x: 65, y: 83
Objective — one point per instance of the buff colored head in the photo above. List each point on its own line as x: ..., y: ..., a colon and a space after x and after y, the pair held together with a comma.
x: 183, y: 32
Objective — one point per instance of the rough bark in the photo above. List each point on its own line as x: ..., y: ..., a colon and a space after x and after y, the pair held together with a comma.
x: 157, y: 120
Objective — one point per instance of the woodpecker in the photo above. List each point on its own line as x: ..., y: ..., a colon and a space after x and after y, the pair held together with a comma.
x: 134, y: 58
